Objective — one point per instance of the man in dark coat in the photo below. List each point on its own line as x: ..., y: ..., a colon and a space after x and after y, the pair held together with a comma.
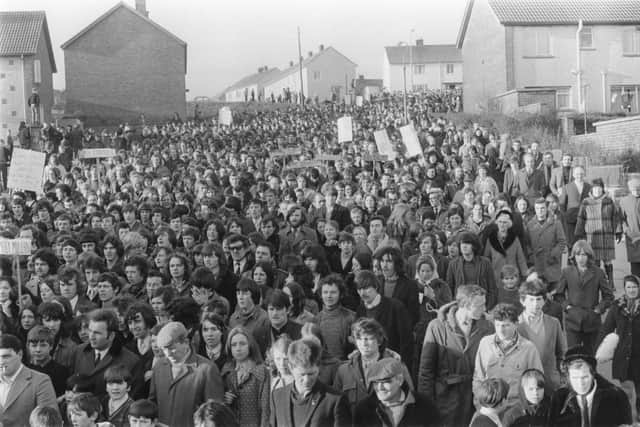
x: 393, y: 403
x: 306, y: 401
x: 587, y: 396
x: 104, y: 349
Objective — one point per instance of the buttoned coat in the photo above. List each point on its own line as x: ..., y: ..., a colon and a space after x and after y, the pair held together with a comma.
x: 178, y: 398
x: 530, y: 186
x: 547, y: 245
x: 557, y: 181
x: 555, y: 347
x: 571, y: 199
x: 329, y: 408
x: 630, y: 211
x: 30, y: 389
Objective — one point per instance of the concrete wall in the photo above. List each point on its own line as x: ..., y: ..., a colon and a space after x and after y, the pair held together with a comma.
x: 484, y: 56
x: 123, y: 67
x: 558, y: 68
x: 613, y: 135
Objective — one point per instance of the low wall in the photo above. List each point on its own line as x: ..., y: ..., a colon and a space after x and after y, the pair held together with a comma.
x: 613, y: 135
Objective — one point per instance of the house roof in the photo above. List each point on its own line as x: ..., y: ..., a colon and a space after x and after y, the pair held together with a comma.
x: 557, y: 12
x: 20, y: 34
x: 254, y: 79
x: 305, y: 62
x: 426, y: 54
x: 134, y: 11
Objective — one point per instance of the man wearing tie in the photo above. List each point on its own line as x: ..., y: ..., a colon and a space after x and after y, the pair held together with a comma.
x: 588, y: 400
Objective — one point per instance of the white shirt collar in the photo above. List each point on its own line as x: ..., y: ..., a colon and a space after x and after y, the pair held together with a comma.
x: 12, y: 379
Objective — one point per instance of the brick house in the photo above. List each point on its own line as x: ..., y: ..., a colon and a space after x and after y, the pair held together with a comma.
x: 124, y: 64
x: 26, y: 62
x: 325, y: 74
x: 529, y: 51
x: 422, y: 67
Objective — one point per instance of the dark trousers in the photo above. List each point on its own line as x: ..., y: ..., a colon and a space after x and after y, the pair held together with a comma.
x: 586, y: 339
x: 635, y: 268
x: 569, y: 231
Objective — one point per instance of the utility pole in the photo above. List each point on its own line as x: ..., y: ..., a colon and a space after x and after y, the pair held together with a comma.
x: 300, y: 59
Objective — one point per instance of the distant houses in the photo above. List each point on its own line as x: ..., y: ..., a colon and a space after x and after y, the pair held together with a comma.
x: 422, y: 67
x: 123, y: 65
x: 26, y: 62
x: 520, y: 53
x: 326, y: 74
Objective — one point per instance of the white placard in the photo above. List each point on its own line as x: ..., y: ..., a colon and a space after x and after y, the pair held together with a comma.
x: 345, y: 129
x: 15, y: 246
x: 359, y: 101
x: 384, y: 145
x: 26, y: 170
x: 225, y: 117
x: 96, y: 153
x: 411, y: 142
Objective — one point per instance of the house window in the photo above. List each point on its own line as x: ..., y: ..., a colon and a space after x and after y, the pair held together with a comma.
x: 631, y: 42
x: 420, y: 87
x: 418, y: 69
x: 4, y: 126
x: 538, y: 43
x: 449, y: 68
x: 563, y: 99
x: 4, y: 100
x: 14, y: 113
x: 12, y: 88
x: 11, y: 62
x: 625, y: 99
x: 2, y: 75
x: 36, y: 71
x: 316, y: 75
x: 586, y: 38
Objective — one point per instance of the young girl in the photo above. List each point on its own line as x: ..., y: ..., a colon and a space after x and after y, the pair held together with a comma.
x: 533, y: 407
x: 509, y: 284
x: 491, y: 396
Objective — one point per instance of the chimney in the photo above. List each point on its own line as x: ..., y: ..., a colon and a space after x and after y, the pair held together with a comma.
x: 321, y: 47
x: 361, y: 77
x: 310, y: 53
x: 259, y: 69
x: 290, y: 63
x: 141, y: 7
x: 419, y: 42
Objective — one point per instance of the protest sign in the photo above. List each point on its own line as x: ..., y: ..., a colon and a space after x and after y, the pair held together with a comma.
x: 359, y: 101
x: 26, y: 170
x: 345, y: 129
x: 224, y: 116
x: 285, y: 152
x: 96, y: 153
x: 303, y: 164
x: 15, y: 247
x: 328, y: 157
x: 375, y: 157
x: 384, y: 145
x: 411, y: 142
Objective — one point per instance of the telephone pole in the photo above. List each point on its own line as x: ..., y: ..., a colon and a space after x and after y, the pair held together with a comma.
x: 300, y: 60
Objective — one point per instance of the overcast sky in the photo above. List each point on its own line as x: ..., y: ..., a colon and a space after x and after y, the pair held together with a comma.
x: 230, y: 39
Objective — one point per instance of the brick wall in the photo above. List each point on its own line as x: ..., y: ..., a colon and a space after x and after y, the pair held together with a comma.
x: 613, y: 135
x: 123, y: 67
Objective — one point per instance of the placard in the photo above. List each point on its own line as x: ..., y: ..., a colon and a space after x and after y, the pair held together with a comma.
x: 384, y: 144
x: 225, y: 117
x: 303, y: 164
x: 411, y: 142
x: 96, y: 153
x: 359, y: 101
x: 345, y: 129
x: 26, y: 170
x: 375, y: 157
x: 15, y: 246
x: 328, y: 157
x: 285, y: 152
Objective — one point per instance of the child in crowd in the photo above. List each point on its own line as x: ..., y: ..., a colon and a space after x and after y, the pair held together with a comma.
x: 76, y: 384
x: 144, y: 413
x: 509, y: 285
x: 116, y: 405
x: 533, y: 407
x: 491, y: 396
x: 84, y: 411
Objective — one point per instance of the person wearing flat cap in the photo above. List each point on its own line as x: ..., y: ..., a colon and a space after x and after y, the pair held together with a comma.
x: 588, y: 400
x: 392, y: 402
x: 184, y: 380
x: 630, y: 211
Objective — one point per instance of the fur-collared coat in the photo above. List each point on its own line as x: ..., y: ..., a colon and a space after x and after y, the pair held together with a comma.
x: 508, y: 252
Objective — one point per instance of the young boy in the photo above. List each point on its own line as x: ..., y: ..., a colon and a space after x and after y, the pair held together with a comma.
x: 84, y: 410
x: 509, y: 285
x: 491, y: 396
x: 76, y: 384
x: 116, y: 405
x: 39, y: 345
x: 143, y: 413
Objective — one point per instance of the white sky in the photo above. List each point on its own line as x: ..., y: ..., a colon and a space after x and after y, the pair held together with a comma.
x: 229, y: 39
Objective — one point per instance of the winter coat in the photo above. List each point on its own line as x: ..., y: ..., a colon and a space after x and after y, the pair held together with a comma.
x: 554, y: 348
x: 571, y: 199
x: 581, y: 295
x: 251, y: 405
x: 484, y: 277
x: 599, y: 222
x: 419, y: 412
x: 509, y: 252
x: 446, y: 365
x: 630, y: 213
x: 547, y: 245
x: 625, y: 322
x: 492, y: 362
x: 610, y: 407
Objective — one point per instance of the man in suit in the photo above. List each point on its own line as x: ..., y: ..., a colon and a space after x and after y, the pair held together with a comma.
x: 588, y: 399
x: 547, y: 166
x: 104, y: 349
x: 562, y: 175
x: 295, y: 232
x: 530, y: 181
x: 182, y: 381
x: 571, y: 198
x: 21, y: 388
x: 307, y: 402
x: 240, y: 254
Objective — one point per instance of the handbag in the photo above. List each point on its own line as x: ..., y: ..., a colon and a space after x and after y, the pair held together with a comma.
x: 607, y: 347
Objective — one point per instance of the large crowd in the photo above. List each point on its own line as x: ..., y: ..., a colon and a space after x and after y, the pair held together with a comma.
x: 214, y: 275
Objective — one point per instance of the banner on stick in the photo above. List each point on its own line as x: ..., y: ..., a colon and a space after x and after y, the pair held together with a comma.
x: 96, y: 153
x: 225, y: 116
x: 26, y: 170
x: 345, y: 129
x: 15, y: 246
x: 411, y: 142
x: 384, y: 145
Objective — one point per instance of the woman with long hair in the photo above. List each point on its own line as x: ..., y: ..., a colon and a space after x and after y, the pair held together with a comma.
x: 297, y: 297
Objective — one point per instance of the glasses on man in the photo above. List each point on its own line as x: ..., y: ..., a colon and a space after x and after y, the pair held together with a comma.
x: 236, y: 248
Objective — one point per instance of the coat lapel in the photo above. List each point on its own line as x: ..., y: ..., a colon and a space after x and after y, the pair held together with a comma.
x: 315, y: 402
x: 22, y: 381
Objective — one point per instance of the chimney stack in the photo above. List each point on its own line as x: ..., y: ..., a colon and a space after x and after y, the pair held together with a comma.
x: 321, y: 47
x: 361, y: 77
x: 141, y: 7
x: 290, y: 63
x: 419, y: 42
x: 310, y: 54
